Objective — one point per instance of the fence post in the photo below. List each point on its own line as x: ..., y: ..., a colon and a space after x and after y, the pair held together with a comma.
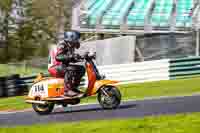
x: 197, y: 42
x: 24, y: 66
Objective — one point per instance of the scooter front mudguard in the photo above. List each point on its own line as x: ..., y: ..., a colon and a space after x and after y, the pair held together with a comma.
x: 98, y: 84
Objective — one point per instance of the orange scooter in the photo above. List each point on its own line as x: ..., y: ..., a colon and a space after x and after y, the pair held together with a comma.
x: 46, y: 92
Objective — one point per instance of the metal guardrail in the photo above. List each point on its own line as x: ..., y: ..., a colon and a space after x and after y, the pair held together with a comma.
x: 15, y: 85
x: 167, y: 69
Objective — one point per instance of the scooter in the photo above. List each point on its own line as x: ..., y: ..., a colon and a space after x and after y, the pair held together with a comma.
x: 48, y: 91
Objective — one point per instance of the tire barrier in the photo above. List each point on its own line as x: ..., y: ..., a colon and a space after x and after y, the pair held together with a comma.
x: 12, y: 85
x: 2, y: 86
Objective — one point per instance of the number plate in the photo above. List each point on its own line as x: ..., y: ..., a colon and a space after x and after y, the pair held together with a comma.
x: 39, y: 89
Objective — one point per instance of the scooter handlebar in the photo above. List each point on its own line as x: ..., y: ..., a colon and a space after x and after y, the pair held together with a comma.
x: 89, y: 55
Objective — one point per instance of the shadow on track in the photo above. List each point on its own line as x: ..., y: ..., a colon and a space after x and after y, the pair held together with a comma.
x: 92, y: 108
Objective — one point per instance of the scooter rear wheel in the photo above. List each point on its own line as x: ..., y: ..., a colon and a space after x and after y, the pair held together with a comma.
x: 43, y: 109
x: 109, y: 97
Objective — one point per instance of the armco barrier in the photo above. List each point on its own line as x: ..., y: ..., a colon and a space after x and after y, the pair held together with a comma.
x: 137, y: 72
x: 185, y: 67
x: 125, y: 73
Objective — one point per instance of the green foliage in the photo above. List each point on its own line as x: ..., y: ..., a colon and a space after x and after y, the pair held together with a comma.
x: 23, y: 70
x: 39, y: 27
x: 6, y: 5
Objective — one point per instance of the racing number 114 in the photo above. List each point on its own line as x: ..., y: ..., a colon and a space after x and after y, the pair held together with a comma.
x: 39, y: 88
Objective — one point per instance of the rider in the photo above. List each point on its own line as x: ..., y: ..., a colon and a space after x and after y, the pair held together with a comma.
x: 65, y: 64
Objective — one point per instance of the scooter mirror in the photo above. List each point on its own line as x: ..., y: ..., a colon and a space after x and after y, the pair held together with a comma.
x: 92, y: 53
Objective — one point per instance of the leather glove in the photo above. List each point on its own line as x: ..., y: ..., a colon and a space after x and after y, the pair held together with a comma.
x: 77, y: 57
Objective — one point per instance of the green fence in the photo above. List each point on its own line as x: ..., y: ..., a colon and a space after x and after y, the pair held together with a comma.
x: 184, y: 68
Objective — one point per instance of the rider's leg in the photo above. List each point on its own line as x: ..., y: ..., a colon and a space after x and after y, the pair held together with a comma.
x: 78, y: 74
x: 56, y: 71
x: 60, y: 71
x: 52, y: 71
x: 68, y: 85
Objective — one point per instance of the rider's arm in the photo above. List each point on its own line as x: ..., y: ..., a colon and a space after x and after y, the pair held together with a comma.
x: 62, y: 57
x: 66, y: 56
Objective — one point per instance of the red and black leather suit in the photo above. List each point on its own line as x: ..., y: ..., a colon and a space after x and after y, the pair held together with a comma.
x: 71, y: 72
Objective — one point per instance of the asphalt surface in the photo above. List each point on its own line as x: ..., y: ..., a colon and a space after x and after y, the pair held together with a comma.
x: 94, y: 112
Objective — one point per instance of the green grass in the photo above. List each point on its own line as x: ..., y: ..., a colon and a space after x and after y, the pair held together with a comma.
x: 179, y: 87
x: 131, y: 91
x: 13, y: 103
x: 181, y: 123
x: 23, y: 70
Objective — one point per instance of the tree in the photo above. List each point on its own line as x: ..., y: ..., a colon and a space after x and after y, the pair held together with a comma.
x: 55, y: 13
x: 5, y: 7
x: 41, y: 24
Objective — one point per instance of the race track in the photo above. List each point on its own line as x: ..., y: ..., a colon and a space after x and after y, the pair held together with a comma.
x: 94, y: 112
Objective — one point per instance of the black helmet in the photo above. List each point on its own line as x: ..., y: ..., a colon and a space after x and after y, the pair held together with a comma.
x: 72, y: 36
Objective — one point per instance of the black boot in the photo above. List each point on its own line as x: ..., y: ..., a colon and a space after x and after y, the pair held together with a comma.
x: 75, y: 87
x: 71, y: 93
x: 68, y: 92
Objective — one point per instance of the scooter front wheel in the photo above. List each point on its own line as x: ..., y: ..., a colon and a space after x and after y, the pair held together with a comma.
x: 43, y: 109
x: 109, y: 97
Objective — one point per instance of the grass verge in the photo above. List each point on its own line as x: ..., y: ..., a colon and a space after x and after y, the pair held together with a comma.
x: 13, y: 103
x: 179, y: 87
x: 22, y: 70
x: 181, y: 123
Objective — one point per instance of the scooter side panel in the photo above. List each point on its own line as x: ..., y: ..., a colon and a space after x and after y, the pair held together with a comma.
x: 39, y: 89
x: 47, y: 88
x: 55, y: 87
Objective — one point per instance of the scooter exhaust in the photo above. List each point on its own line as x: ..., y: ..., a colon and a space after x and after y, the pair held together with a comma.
x: 37, y: 102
